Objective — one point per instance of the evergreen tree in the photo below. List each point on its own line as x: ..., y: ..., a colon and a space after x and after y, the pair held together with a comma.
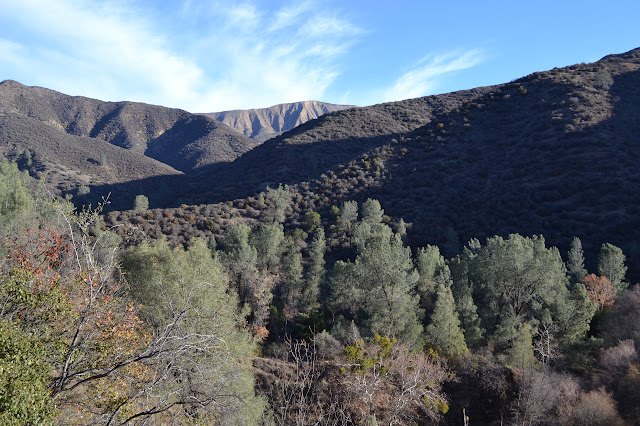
x: 574, y: 317
x: 517, y: 277
x: 292, y: 285
x: 315, y: 273
x: 520, y: 354
x: 611, y: 265
x: 361, y: 233
x: 432, y: 270
x: 372, y: 212
x: 15, y: 198
x: 348, y: 216
x: 575, y: 261
x: 235, y: 237
x: 204, y: 351
x: 268, y: 241
x: 280, y: 202
x: 380, y: 283
x: 463, y: 294
x: 444, y: 328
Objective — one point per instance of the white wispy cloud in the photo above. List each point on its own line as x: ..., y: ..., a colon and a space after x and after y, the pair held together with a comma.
x: 208, y: 57
x: 424, y: 78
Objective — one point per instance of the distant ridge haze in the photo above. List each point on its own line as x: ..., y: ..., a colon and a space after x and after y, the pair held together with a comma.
x: 262, y: 124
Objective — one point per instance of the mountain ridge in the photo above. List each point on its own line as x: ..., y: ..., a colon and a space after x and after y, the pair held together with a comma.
x: 175, y: 137
x: 261, y: 124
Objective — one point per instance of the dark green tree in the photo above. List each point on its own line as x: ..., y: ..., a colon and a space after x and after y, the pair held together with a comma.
x: 348, y: 216
x: 293, y: 283
x: 381, y: 282
x: 575, y: 261
x: 268, y: 241
x: 432, y: 270
x: 520, y: 353
x: 463, y: 294
x: 611, y: 265
x: 372, y: 212
x: 315, y: 273
x: 444, y: 325
x: 16, y: 200
x: 280, y: 201
x: 311, y: 220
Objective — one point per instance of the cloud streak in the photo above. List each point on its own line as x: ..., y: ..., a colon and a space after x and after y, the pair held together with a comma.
x: 233, y: 56
x: 424, y: 78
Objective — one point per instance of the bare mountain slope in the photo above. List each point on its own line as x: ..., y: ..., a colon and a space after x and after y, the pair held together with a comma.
x: 175, y: 137
x: 265, y: 123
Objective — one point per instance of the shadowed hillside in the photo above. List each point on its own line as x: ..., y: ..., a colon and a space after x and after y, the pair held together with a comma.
x: 177, y: 138
x: 555, y: 153
x: 265, y: 123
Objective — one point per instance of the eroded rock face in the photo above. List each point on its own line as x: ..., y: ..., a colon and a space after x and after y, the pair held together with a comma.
x: 265, y: 123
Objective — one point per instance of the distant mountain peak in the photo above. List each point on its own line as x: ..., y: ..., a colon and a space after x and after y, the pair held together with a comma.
x: 265, y: 123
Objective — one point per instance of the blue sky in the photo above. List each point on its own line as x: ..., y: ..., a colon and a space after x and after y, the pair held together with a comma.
x: 205, y: 56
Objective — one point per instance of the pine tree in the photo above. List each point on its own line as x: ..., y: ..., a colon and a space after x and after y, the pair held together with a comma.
x: 280, y: 202
x: 444, y: 329
x: 611, y: 265
x: 469, y: 319
x: 520, y: 354
x: 348, y: 216
x: 372, y: 212
x: 575, y: 261
x: 268, y: 241
x: 292, y: 286
x: 432, y: 270
x: 315, y: 273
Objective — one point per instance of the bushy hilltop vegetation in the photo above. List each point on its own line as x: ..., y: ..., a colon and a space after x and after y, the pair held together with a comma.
x: 469, y: 254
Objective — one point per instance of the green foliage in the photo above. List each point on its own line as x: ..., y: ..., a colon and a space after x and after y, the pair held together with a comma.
x: 315, y: 273
x: 519, y: 276
x: 280, y: 201
x: 185, y: 294
x: 377, y: 356
x: 611, y: 265
x: 574, y: 316
x: 603, y: 79
x: 520, y: 353
x: 575, y: 261
x: 141, y: 203
x: 15, y: 198
x: 235, y: 237
x: 463, y: 294
x: 372, y: 212
x: 268, y: 241
x: 381, y: 282
x: 311, y: 220
x: 24, y: 394
x: 292, y: 286
x: 348, y: 216
x: 444, y: 328
x: 432, y: 271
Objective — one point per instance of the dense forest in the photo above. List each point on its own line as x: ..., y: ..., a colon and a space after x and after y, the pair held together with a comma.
x: 286, y: 315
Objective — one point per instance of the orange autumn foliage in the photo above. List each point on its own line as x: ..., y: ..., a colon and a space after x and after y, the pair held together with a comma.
x: 93, y: 335
x: 600, y: 290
